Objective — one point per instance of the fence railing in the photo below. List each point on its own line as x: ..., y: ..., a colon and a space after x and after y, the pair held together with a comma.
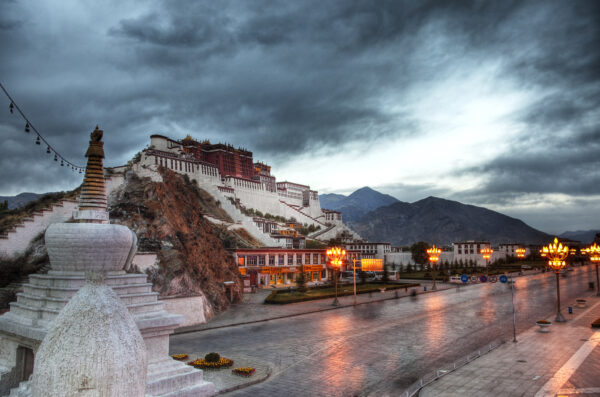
x: 413, y: 389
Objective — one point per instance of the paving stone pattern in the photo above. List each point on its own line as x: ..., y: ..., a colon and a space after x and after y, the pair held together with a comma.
x: 523, y: 368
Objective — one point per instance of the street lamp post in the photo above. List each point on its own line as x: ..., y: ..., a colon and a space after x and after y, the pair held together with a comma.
x: 594, y: 253
x: 556, y: 254
x: 354, y: 276
x: 336, y: 259
x: 487, y: 254
x: 434, y: 255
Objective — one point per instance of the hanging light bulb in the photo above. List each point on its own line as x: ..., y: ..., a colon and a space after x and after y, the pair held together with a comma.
x: 61, y: 163
x: 55, y: 157
x: 80, y: 170
x: 27, y: 127
x: 11, y: 107
x: 48, y: 150
x: 37, y: 140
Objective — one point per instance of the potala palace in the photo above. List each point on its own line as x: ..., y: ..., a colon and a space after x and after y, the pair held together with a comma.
x: 232, y: 177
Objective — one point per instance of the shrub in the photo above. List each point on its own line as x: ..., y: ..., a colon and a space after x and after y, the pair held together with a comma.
x: 212, y: 357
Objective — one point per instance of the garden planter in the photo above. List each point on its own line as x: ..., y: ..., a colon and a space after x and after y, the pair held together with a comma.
x: 581, y: 302
x: 544, y: 326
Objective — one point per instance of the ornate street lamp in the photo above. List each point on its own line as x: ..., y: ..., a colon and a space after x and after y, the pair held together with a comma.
x: 336, y: 259
x: 487, y: 254
x: 556, y: 254
x: 594, y: 253
x: 433, y: 254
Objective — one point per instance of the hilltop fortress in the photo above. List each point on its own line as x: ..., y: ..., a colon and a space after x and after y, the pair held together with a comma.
x: 244, y: 187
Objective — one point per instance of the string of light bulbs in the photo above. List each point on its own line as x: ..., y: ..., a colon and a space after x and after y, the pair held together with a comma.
x: 39, y: 139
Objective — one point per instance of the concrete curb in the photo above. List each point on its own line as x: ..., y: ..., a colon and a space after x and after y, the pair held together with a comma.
x: 243, y: 385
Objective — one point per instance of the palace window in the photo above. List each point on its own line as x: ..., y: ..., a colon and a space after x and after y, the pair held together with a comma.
x: 261, y: 259
x: 271, y: 259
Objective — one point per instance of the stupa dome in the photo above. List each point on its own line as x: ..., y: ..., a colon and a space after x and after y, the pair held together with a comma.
x: 94, y: 348
x: 92, y: 247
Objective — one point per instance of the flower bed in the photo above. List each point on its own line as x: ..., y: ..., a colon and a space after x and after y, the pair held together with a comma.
x: 180, y: 357
x: 284, y: 297
x: 243, y: 371
x: 543, y: 322
x: 596, y: 323
x: 203, y: 364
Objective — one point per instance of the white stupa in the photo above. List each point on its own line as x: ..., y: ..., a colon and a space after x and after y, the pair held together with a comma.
x: 93, y: 347
x: 88, y: 328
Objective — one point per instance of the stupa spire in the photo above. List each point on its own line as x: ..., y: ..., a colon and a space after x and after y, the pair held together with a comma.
x: 93, y: 192
x: 92, y: 199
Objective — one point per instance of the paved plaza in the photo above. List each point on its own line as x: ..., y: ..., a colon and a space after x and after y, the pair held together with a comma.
x: 381, y: 348
x: 563, y: 362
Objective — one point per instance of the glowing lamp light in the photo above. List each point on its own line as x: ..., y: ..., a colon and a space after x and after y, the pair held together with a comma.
x: 336, y: 256
x: 434, y: 254
x: 520, y: 252
x: 486, y: 253
x: 556, y: 254
x: 594, y: 252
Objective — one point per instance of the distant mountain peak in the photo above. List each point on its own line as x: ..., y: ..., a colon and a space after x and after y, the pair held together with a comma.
x: 358, y: 203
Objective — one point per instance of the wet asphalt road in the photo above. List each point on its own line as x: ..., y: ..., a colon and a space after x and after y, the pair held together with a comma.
x: 381, y: 348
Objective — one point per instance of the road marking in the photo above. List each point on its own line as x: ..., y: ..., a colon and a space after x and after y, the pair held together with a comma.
x: 553, y: 385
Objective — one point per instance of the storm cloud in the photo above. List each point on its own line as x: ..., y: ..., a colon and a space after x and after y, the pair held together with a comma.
x: 376, y: 84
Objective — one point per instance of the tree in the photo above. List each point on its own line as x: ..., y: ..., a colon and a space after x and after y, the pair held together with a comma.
x: 301, y: 281
x: 419, y: 252
x: 4, y: 206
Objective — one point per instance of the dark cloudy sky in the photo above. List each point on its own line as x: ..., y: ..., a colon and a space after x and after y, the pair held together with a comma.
x: 489, y: 103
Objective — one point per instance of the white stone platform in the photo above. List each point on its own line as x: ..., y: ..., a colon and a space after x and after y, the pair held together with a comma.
x: 45, y: 295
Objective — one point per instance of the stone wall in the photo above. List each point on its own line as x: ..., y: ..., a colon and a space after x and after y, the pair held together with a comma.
x: 195, y: 309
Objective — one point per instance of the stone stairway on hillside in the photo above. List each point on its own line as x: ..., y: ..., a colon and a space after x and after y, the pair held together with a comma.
x: 240, y: 219
x: 309, y: 219
x: 16, y: 240
x: 321, y: 232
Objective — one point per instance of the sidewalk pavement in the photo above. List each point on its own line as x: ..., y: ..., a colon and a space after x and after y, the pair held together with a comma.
x: 252, y: 309
x: 563, y: 362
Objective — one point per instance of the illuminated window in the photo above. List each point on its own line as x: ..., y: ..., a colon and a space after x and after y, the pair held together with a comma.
x: 241, y: 261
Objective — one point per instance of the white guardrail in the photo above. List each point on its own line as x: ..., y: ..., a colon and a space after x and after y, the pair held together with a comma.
x: 414, y: 389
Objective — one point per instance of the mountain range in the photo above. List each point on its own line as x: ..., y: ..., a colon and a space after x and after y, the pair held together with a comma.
x: 19, y: 200
x: 432, y: 219
x: 585, y: 236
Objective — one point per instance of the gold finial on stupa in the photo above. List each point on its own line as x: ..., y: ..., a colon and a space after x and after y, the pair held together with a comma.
x: 93, y: 192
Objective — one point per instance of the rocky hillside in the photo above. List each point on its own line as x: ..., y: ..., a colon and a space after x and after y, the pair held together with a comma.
x: 168, y: 219
x: 442, y: 222
x: 356, y: 205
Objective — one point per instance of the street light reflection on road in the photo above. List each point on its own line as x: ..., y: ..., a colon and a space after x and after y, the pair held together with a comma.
x: 435, y: 329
